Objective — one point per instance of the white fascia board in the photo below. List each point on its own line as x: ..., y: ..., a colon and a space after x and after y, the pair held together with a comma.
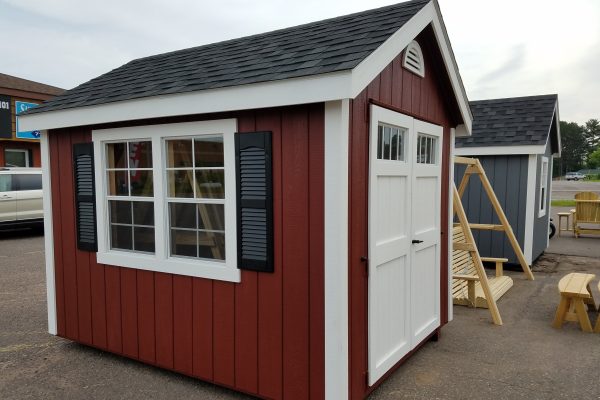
x: 312, y: 89
x: 499, y: 150
x: 530, y: 208
x: 451, y: 224
x: 48, y: 234
x: 558, y: 138
x: 371, y: 66
x: 337, y: 120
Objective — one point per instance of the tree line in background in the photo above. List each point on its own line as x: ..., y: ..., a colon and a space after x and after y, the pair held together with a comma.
x: 580, y: 147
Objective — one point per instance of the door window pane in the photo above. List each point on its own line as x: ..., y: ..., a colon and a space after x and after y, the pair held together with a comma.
x: 427, y: 149
x: 390, y: 143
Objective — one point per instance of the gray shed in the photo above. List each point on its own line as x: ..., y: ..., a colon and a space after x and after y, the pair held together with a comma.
x: 516, y: 140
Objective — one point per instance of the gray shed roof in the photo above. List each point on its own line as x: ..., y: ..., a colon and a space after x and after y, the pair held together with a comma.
x: 516, y: 121
x: 322, y: 47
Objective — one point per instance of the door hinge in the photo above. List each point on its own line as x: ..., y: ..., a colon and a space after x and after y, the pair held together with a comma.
x: 365, y: 260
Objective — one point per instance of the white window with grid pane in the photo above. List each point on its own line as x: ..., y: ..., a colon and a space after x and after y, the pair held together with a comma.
x: 166, y: 198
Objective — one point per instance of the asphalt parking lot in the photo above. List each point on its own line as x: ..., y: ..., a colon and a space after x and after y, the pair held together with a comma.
x: 565, y: 190
x: 524, y: 358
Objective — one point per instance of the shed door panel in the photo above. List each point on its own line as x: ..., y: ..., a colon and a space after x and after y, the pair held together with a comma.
x: 390, y: 242
x: 426, y: 199
x: 404, y: 236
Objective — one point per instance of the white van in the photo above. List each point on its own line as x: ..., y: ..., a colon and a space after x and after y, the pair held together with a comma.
x: 21, y: 198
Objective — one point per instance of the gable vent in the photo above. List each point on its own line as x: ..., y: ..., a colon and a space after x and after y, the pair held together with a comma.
x: 413, y: 59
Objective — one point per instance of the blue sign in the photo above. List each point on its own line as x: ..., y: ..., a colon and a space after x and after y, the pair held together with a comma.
x: 21, y: 107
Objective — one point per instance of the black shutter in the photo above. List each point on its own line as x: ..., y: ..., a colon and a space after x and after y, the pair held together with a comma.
x: 85, y: 196
x: 254, y: 201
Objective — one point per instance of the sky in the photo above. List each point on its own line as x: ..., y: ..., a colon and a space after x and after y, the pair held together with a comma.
x: 504, y: 48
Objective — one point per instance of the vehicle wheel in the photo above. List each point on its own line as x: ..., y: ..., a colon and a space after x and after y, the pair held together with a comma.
x: 552, y: 230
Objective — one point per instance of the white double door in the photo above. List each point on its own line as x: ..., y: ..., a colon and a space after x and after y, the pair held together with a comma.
x: 404, y: 236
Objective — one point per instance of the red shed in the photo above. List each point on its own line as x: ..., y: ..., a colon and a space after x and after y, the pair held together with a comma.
x: 267, y: 213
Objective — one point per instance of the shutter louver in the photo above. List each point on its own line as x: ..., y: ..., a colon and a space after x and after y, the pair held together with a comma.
x: 254, y: 201
x: 85, y: 196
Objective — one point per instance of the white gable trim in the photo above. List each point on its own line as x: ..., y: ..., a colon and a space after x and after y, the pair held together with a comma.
x: 304, y: 90
x: 371, y: 66
x: 500, y: 150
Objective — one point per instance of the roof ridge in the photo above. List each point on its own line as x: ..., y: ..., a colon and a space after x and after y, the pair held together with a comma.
x: 537, y: 96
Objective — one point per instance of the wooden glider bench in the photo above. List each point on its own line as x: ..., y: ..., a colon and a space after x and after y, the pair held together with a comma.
x: 575, y: 293
x: 466, y: 283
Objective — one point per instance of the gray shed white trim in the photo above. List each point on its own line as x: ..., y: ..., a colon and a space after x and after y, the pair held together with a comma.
x: 512, y: 138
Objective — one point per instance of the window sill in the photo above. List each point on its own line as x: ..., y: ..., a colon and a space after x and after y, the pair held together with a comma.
x: 541, y: 214
x: 200, y: 268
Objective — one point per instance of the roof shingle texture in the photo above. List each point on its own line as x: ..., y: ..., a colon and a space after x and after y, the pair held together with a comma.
x: 517, y: 121
x: 327, y: 46
x: 13, y: 82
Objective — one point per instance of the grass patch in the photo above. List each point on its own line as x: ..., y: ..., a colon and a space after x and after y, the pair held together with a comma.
x: 562, y: 203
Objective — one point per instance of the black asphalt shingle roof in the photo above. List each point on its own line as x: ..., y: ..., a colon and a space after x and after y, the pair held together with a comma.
x: 326, y: 46
x: 516, y: 121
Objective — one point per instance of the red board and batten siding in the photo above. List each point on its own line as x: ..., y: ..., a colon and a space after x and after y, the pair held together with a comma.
x: 423, y: 98
x: 263, y: 336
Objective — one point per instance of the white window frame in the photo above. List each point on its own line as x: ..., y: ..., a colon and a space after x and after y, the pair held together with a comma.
x: 160, y: 261
x: 25, y: 151
x: 543, y: 189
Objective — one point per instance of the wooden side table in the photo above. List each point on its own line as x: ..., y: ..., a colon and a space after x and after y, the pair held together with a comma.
x: 562, y: 215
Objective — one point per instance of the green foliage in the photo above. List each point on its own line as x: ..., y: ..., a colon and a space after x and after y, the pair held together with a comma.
x: 591, y: 132
x: 594, y: 159
x: 574, y: 147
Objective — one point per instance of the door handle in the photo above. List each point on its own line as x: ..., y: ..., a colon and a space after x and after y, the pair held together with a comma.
x: 415, y: 241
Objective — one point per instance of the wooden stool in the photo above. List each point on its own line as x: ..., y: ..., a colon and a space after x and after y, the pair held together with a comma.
x: 575, y: 292
x: 562, y: 215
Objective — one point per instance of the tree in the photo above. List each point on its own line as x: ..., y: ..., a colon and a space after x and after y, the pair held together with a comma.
x: 591, y: 132
x: 574, y: 147
x: 594, y: 159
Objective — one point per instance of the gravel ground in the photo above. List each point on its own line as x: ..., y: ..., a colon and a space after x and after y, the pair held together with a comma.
x: 524, y: 358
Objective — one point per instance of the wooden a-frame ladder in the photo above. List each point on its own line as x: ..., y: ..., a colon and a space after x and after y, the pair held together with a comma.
x: 474, y: 168
x: 470, y: 246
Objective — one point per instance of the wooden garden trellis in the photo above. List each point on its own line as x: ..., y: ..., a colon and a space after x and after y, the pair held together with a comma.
x: 474, y: 168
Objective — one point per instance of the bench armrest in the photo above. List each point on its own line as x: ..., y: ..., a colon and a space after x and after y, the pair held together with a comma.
x: 499, y: 264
